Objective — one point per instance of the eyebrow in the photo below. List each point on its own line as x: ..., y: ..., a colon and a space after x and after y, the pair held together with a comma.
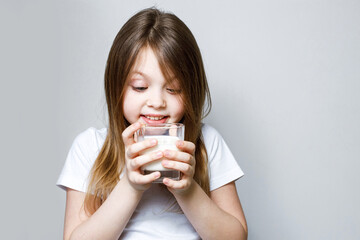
x: 171, y: 80
x: 137, y: 72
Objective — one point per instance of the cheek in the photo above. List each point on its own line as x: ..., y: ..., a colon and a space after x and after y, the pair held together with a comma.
x: 129, y: 107
x: 125, y: 104
x: 180, y: 108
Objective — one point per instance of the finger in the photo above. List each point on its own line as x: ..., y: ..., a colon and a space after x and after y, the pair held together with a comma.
x: 140, y: 161
x: 128, y: 133
x: 184, y: 183
x: 179, y: 156
x: 186, y: 146
x: 136, y: 148
x: 185, y: 168
x: 145, y: 179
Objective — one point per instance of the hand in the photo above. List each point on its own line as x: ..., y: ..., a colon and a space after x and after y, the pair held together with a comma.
x: 134, y: 161
x: 183, y: 161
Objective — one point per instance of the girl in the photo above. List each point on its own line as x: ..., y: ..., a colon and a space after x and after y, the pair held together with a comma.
x: 154, y: 74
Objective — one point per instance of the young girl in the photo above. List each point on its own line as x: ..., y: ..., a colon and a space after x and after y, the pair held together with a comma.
x: 154, y: 74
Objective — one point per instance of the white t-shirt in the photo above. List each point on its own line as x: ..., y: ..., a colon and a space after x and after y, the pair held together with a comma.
x: 155, y: 217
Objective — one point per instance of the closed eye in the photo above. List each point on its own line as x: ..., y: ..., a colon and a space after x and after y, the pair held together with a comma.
x: 173, y: 91
x: 139, y: 89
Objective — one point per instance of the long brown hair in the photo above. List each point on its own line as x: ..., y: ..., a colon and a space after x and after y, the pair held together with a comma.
x: 178, y: 55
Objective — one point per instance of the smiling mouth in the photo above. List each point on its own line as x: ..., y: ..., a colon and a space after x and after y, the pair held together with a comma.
x: 154, y: 118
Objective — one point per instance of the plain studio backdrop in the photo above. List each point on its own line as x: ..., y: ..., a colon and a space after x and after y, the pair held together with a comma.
x: 285, y: 83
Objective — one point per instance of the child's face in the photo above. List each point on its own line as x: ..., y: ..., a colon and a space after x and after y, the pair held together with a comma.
x: 148, y: 97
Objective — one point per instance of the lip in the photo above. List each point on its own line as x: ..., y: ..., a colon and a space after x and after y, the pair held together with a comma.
x: 149, y: 121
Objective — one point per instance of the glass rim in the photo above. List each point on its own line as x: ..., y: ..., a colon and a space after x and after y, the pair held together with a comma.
x: 163, y: 125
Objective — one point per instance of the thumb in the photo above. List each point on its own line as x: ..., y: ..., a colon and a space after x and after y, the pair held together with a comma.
x: 128, y: 133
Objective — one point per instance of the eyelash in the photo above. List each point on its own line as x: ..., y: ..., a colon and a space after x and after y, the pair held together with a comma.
x: 170, y: 90
x: 173, y: 91
x: 139, y: 89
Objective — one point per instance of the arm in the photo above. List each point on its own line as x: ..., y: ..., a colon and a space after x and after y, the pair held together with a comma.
x: 110, y: 219
x: 219, y: 216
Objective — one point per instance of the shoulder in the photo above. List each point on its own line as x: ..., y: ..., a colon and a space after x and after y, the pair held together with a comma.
x: 92, y: 134
x: 80, y: 159
x: 89, y: 142
x: 223, y: 167
x: 209, y: 131
x: 211, y: 136
x: 91, y: 137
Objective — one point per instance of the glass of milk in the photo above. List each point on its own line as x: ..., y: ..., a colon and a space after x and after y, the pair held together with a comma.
x: 166, y: 134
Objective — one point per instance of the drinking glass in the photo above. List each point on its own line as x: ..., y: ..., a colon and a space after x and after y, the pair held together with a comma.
x: 166, y: 135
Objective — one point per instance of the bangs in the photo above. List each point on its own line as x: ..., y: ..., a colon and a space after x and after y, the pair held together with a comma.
x: 166, y: 63
x: 170, y: 67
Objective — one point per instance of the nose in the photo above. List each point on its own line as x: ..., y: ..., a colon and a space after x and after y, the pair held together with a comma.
x: 156, y: 100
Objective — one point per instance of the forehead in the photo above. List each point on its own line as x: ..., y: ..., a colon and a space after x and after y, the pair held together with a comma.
x: 145, y: 60
x: 147, y: 65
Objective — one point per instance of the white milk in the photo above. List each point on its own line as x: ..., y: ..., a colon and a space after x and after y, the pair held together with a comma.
x: 164, y: 142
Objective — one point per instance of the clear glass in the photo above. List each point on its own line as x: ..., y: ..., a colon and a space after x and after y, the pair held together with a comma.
x: 166, y: 134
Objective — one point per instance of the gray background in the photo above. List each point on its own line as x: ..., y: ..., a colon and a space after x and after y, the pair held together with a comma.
x: 284, y: 78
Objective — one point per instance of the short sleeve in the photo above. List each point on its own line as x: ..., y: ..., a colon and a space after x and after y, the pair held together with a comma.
x: 79, y: 161
x: 223, y: 168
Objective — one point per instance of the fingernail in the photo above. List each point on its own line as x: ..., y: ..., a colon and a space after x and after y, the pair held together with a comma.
x: 153, y: 142
x: 167, y: 153
x: 159, y: 154
x: 166, y: 181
